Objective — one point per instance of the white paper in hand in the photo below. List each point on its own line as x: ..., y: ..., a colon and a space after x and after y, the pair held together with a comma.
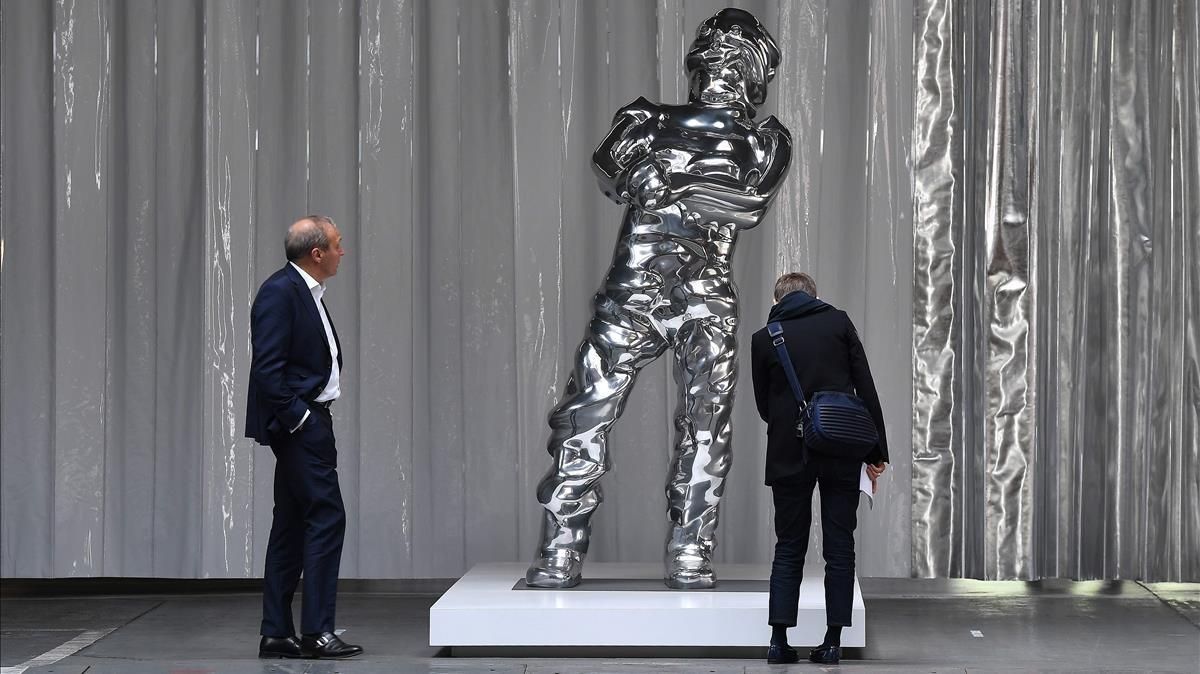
x: 864, y: 485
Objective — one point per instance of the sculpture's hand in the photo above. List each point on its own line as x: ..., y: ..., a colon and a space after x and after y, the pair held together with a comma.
x: 718, y: 199
x: 646, y: 185
x: 685, y: 182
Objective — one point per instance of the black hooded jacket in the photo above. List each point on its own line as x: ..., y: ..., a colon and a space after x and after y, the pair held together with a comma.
x: 828, y: 356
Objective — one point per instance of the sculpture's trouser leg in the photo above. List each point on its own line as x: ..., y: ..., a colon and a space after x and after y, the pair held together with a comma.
x: 706, y: 371
x: 616, y: 347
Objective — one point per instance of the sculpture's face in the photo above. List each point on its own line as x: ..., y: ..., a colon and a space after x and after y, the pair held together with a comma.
x: 732, y: 59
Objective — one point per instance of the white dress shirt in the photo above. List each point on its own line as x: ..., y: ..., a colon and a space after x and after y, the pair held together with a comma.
x: 333, y: 387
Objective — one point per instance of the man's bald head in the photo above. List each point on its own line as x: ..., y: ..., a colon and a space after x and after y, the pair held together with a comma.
x: 305, y: 234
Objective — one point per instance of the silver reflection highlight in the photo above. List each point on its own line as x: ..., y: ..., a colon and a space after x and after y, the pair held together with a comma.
x: 691, y: 176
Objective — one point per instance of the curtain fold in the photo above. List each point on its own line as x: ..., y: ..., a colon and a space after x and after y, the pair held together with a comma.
x: 154, y: 153
x: 1054, y: 303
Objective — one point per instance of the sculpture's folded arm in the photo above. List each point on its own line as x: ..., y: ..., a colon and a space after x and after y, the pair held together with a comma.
x: 741, y: 203
x: 627, y: 141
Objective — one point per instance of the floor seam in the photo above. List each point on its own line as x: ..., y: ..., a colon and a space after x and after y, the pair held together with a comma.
x: 118, y: 627
x: 1169, y: 605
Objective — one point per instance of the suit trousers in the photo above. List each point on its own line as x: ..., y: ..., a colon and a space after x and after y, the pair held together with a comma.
x: 307, y: 529
x: 838, y: 482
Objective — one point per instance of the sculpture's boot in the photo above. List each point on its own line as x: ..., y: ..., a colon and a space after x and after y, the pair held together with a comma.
x: 559, y: 562
x: 689, y: 561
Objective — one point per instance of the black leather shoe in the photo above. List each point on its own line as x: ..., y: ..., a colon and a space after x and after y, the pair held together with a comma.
x: 327, y: 646
x: 825, y: 655
x: 781, y: 655
x: 279, y: 647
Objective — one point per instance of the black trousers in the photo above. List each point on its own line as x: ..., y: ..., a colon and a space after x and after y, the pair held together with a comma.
x: 838, y: 481
x: 307, y: 529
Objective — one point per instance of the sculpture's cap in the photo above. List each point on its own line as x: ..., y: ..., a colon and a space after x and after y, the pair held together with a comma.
x: 740, y: 28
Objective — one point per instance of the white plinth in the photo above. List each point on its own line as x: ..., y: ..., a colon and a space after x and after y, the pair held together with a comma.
x: 622, y: 605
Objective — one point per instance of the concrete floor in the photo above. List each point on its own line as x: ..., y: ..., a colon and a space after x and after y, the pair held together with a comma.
x: 914, y: 626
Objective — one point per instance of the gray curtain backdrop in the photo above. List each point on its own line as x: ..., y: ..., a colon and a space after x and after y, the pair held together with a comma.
x: 1003, y: 200
x: 154, y: 153
x: 1056, y: 416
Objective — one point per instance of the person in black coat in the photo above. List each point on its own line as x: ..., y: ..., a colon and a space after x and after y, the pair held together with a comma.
x: 295, y: 376
x: 827, y: 355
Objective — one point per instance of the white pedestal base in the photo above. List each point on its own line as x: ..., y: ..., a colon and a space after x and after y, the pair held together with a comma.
x: 627, y: 605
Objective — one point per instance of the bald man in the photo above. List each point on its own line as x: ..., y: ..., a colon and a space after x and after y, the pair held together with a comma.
x: 295, y: 377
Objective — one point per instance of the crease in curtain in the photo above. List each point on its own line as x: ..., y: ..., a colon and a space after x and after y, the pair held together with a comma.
x: 1054, y: 327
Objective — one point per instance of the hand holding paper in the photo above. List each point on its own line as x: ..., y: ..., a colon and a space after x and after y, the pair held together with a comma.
x: 867, y: 486
x: 868, y: 480
x: 875, y: 470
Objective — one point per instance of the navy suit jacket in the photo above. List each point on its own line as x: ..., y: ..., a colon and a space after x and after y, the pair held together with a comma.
x: 290, y: 365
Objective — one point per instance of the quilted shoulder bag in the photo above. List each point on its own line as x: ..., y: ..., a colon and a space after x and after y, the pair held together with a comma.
x: 832, y: 423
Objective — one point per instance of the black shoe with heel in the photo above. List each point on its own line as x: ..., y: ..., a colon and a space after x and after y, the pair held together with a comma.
x: 327, y: 646
x: 279, y: 647
x: 825, y: 655
x: 781, y: 655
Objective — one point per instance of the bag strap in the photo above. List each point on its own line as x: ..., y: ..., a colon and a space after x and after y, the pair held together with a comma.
x: 776, y: 332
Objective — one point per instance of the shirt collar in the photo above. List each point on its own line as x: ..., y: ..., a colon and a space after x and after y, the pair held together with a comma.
x: 312, y: 282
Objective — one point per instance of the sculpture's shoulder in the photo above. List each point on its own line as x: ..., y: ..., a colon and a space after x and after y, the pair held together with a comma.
x: 772, y: 128
x: 640, y: 109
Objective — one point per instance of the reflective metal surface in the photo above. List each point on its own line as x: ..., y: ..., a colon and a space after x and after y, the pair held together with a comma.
x: 1056, y: 420
x: 692, y: 176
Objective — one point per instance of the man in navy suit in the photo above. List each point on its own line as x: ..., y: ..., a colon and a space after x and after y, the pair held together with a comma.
x: 295, y: 376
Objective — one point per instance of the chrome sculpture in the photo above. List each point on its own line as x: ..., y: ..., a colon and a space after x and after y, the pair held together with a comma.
x: 692, y: 176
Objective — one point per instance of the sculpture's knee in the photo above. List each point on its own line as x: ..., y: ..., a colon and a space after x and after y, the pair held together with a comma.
x: 576, y: 482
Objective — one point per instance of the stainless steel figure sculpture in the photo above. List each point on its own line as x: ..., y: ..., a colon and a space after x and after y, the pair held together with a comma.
x: 692, y: 176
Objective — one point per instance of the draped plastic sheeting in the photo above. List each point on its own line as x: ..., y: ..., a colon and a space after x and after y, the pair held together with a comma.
x: 1056, y: 416
x: 154, y: 152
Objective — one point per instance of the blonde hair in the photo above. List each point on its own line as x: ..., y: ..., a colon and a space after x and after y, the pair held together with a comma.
x: 793, y: 281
